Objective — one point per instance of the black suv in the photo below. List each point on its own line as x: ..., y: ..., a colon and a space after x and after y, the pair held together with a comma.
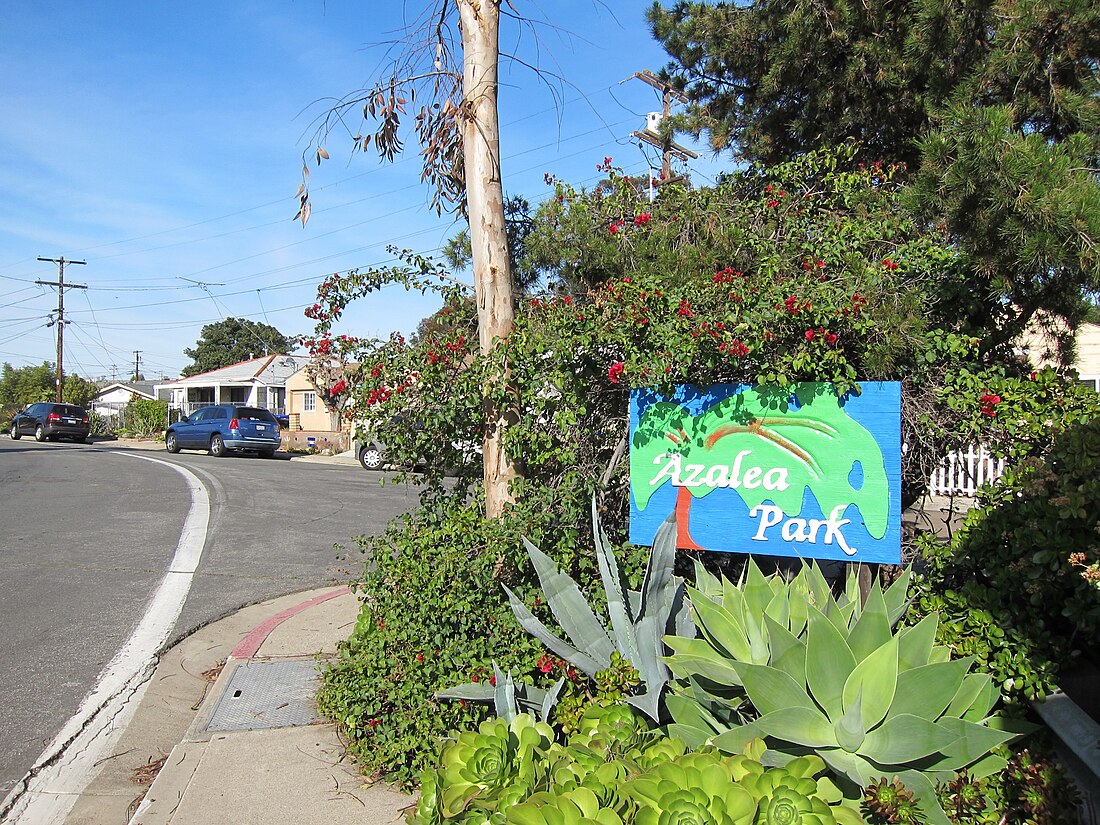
x: 47, y: 421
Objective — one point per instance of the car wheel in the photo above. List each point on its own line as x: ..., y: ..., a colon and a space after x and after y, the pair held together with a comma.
x: 15, y: 434
x: 371, y: 457
x: 217, y: 446
x: 40, y: 433
x: 171, y: 443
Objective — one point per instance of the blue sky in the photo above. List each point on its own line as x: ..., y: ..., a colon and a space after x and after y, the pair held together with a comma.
x: 163, y: 142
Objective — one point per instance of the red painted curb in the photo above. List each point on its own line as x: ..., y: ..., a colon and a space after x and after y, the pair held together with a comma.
x: 251, y: 643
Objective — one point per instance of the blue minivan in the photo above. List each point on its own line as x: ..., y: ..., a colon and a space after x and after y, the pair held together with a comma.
x: 225, y: 428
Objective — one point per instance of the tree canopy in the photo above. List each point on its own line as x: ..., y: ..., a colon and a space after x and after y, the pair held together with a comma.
x: 26, y: 385
x: 993, y: 106
x: 231, y: 341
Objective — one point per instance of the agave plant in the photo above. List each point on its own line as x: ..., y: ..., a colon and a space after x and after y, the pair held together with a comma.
x: 832, y: 676
x: 638, y: 620
x: 509, y: 697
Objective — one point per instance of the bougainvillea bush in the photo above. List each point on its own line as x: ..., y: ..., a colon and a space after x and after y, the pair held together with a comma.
x: 811, y: 271
x: 1017, y: 585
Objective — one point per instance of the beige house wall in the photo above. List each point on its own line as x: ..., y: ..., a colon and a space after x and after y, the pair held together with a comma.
x: 298, y: 386
x: 1088, y: 352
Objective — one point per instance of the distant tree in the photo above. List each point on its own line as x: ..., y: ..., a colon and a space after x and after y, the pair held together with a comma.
x: 993, y: 106
x: 27, y: 385
x: 79, y: 391
x: 232, y: 341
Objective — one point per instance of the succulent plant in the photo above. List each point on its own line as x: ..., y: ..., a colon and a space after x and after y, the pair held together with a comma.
x: 889, y: 801
x: 509, y: 697
x: 638, y: 622
x: 830, y: 675
x: 638, y: 619
x: 486, y: 770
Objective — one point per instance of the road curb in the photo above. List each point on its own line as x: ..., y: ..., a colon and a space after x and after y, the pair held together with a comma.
x: 252, y: 642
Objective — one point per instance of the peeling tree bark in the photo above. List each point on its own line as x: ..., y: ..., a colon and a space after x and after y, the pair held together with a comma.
x: 480, y: 22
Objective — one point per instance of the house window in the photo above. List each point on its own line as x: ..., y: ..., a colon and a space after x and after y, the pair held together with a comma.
x: 309, y: 402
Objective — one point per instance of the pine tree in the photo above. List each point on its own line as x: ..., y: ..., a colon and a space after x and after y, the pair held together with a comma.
x: 993, y: 105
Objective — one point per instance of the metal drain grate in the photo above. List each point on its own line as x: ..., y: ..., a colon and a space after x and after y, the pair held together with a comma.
x: 267, y: 695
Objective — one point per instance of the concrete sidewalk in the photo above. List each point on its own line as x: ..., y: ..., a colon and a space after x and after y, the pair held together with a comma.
x: 227, y: 730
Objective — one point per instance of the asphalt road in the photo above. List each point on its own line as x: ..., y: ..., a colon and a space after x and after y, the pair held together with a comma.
x: 86, y: 536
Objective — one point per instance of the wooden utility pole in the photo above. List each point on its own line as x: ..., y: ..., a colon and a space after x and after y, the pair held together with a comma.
x: 61, y: 287
x: 669, y: 148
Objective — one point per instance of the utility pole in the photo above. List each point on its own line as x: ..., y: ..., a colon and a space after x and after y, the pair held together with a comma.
x: 137, y: 365
x: 669, y: 148
x: 61, y: 287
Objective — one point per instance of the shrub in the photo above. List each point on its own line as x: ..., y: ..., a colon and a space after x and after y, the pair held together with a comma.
x: 435, y: 614
x: 831, y: 676
x: 1015, y: 583
x: 613, y: 771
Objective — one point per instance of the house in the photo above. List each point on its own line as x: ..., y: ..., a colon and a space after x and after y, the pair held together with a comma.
x: 116, y: 395
x: 257, y: 382
x: 1088, y: 355
x: 1037, y: 348
x: 312, y: 421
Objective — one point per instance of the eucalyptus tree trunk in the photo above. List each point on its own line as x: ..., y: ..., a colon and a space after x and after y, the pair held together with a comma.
x: 480, y: 21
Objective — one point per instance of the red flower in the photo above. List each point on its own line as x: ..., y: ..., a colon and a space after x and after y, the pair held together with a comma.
x: 988, y: 403
x: 373, y: 722
x: 420, y: 657
x: 685, y: 309
x: 830, y: 338
x: 493, y: 680
x: 643, y: 219
x: 792, y: 305
x: 339, y: 387
x: 545, y: 663
x: 809, y: 335
x: 889, y: 264
x: 615, y: 371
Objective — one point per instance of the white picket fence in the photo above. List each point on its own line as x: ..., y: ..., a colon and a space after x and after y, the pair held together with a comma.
x: 964, y: 471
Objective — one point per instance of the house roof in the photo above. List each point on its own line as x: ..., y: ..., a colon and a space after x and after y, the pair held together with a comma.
x: 270, y: 370
x: 140, y: 387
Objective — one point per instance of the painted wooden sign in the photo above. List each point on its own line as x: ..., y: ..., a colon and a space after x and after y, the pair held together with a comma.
x: 794, y: 471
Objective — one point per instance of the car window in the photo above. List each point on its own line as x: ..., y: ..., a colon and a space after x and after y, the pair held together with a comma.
x: 254, y: 414
x: 69, y: 410
x: 33, y: 409
x: 197, y: 416
x: 218, y: 412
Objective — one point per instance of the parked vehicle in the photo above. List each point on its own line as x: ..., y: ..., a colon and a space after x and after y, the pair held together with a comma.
x: 372, y: 455
x: 48, y: 421
x: 226, y: 428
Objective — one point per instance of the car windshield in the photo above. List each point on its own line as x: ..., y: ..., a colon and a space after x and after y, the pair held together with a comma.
x: 254, y: 414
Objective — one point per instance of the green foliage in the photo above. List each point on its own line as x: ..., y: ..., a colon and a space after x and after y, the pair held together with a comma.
x: 603, y: 650
x: 812, y: 271
x: 145, y: 417
x: 995, y: 106
x: 1033, y: 789
x: 615, y: 772
x: 831, y: 675
x: 231, y: 341
x: 26, y: 385
x: 434, y: 614
x: 638, y: 619
x: 1015, y: 583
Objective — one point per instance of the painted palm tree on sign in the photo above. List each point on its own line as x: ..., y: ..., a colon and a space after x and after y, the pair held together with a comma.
x: 767, y: 444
